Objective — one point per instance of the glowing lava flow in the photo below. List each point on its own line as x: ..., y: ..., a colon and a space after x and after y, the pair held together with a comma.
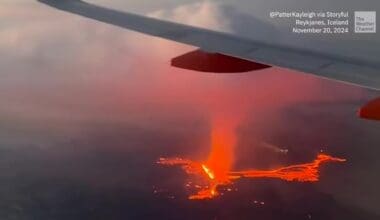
x: 307, y: 172
x: 216, y: 171
x: 209, y: 172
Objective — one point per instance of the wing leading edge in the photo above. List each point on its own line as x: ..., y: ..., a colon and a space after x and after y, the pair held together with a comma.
x: 341, y: 68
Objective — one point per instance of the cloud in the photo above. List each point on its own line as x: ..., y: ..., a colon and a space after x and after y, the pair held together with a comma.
x: 219, y: 16
x: 67, y: 67
x: 206, y: 14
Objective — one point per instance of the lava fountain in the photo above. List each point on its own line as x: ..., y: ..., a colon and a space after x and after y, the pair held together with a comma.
x: 217, y: 170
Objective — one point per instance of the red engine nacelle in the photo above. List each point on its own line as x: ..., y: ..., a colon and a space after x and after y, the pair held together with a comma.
x: 371, y: 110
x: 202, y: 61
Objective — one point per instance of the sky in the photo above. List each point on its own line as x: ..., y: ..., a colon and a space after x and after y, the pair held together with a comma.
x: 87, y: 108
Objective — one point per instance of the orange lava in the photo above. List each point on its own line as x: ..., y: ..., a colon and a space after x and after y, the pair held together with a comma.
x: 307, y: 172
x: 217, y: 170
x: 223, y: 141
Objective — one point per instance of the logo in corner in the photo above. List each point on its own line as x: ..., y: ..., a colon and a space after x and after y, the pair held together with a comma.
x: 365, y: 21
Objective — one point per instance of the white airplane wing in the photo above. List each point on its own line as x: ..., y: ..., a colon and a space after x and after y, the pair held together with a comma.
x: 341, y: 68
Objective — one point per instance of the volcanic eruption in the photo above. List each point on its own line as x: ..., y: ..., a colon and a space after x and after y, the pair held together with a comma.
x: 218, y: 171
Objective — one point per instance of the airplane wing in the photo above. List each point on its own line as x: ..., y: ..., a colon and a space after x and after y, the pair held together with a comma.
x: 341, y: 68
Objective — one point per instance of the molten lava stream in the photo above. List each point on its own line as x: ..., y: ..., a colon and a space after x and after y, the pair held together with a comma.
x: 307, y: 172
x: 217, y: 169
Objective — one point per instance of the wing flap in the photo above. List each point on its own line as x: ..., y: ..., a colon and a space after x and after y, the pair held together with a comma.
x: 365, y: 76
x: 288, y: 59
